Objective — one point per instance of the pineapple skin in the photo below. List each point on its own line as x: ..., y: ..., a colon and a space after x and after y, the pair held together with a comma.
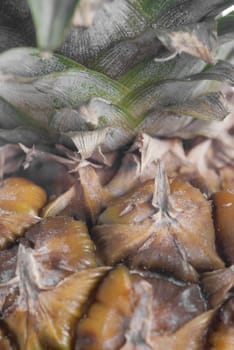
x: 117, y: 177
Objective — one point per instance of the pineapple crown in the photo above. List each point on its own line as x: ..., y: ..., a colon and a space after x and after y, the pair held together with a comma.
x: 125, y: 67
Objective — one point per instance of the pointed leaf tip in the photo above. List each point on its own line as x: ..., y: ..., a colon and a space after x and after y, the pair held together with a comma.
x: 161, y: 189
x: 51, y: 19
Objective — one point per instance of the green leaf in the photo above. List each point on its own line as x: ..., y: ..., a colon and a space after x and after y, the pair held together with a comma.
x: 151, y: 71
x: 12, y: 117
x: 226, y: 27
x: 199, y: 116
x: 69, y: 104
x: 97, y: 124
x: 37, y: 91
x: 29, y: 62
x: 122, y: 33
x: 114, y: 23
x: 86, y: 109
x: 51, y: 18
x: 9, y: 116
x: 222, y: 72
x: 16, y: 27
x: 93, y: 114
x: 26, y: 135
x: 169, y: 92
x: 206, y: 107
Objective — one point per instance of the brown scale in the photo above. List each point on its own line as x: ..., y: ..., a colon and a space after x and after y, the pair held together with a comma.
x: 4, y: 342
x: 218, y: 285
x: 20, y: 202
x: 61, y: 246
x: 162, y: 227
x: 42, y: 316
x: 221, y: 337
x: 224, y: 223
x: 132, y: 311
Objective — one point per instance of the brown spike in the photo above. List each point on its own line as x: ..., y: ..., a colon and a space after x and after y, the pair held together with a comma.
x: 46, y: 316
x: 161, y: 192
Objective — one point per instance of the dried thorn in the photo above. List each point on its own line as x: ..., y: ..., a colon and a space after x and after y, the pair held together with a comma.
x: 167, y: 58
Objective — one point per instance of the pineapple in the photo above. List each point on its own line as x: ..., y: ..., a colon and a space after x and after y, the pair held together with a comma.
x: 117, y: 178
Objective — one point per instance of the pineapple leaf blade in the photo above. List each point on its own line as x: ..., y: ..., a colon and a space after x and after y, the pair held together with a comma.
x: 51, y: 18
